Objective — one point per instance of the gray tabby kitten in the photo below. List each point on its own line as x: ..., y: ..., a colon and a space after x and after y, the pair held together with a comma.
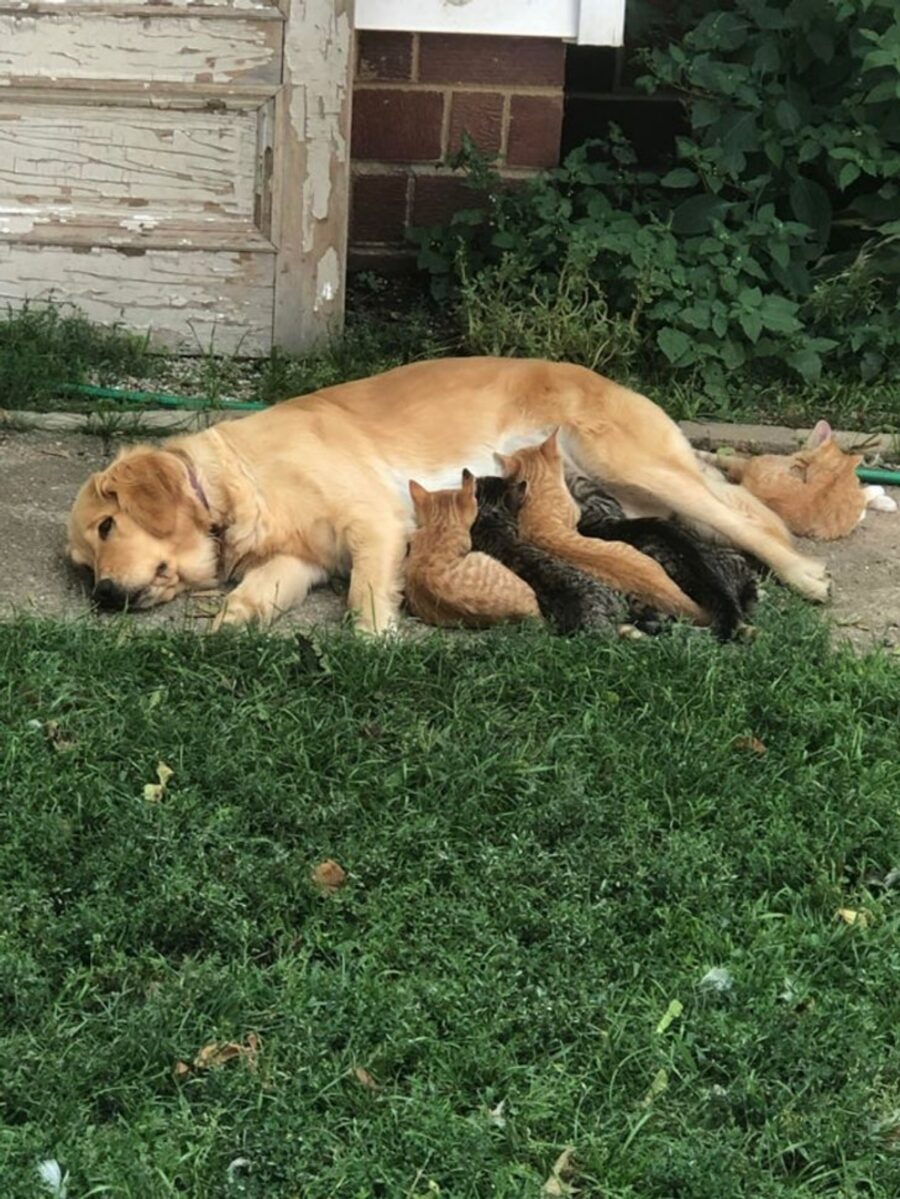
x: 718, y: 578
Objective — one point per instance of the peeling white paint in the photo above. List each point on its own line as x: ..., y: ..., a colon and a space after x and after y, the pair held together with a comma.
x: 98, y: 160
x: 321, y: 68
x: 328, y: 279
x: 176, y: 49
x: 188, y: 298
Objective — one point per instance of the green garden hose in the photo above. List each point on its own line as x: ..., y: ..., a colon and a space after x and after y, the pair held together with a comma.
x: 867, y: 474
x: 160, y: 399
x: 877, y: 474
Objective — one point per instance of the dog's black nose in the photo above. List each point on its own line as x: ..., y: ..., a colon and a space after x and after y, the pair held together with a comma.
x: 107, y: 594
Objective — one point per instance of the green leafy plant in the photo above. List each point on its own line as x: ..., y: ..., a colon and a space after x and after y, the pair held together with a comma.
x: 771, y: 245
x: 510, y: 309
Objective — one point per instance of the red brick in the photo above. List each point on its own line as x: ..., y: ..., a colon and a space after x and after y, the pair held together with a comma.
x: 396, y: 126
x: 437, y: 197
x: 384, y: 56
x: 535, y: 130
x: 513, y: 61
x: 480, y: 115
x: 378, y: 209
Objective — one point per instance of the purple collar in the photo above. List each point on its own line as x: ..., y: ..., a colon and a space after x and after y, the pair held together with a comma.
x: 197, y: 487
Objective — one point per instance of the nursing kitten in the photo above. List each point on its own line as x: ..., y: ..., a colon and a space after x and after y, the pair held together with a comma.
x: 548, y: 519
x: 718, y: 577
x: 567, y: 596
x: 446, y: 583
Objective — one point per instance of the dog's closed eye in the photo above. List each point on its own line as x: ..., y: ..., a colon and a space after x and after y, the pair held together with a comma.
x: 105, y: 527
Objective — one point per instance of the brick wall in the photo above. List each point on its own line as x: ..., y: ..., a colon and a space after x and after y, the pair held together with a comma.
x: 415, y: 95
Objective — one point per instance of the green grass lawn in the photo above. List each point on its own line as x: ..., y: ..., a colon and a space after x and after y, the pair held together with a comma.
x: 550, y: 843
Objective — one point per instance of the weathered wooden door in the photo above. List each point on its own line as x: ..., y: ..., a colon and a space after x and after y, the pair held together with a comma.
x: 178, y: 166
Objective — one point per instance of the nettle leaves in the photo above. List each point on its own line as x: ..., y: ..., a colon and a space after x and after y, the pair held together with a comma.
x: 774, y: 236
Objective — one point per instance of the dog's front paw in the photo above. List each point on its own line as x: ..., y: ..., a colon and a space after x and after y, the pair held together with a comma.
x: 234, y: 611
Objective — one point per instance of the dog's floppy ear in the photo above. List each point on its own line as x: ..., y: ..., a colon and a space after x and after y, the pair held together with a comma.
x: 149, y: 486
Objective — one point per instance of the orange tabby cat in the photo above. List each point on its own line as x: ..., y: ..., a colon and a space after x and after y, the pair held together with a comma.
x: 815, y: 492
x: 446, y: 583
x: 548, y: 519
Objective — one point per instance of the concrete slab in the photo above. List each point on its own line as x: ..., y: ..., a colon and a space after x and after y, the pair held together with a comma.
x: 40, y: 472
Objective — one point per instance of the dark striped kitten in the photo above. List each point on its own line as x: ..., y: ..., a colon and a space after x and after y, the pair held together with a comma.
x: 567, y: 596
x: 720, y: 579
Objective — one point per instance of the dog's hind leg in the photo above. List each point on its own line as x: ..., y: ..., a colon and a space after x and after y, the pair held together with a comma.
x: 655, y: 460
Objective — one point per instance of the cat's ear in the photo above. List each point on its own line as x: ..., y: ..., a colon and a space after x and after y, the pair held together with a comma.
x: 468, y: 482
x: 417, y: 492
x: 820, y: 434
x: 550, y: 448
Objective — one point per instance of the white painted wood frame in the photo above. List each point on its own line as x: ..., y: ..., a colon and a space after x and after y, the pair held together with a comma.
x: 588, y: 22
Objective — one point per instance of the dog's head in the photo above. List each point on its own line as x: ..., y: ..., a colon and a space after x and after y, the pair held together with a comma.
x: 143, y: 529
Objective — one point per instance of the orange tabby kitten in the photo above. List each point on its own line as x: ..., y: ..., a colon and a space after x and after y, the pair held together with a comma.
x: 548, y: 519
x: 815, y: 492
x: 448, y: 584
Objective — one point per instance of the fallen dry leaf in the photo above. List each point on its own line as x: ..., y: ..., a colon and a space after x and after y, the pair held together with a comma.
x: 853, y: 916
x: 751, y: 743
x: 329, y: 876
x: 219, y: 1053
x: 252, y: 1046
x: 153, y: 792
x: 56, y: 738
x: 556, y: 1184
x: 365, y: 1079
x: 180, y: 1069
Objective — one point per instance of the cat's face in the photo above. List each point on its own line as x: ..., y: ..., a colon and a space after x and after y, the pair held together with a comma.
x: 541, y: 468
x: 453, y: 508
x: 537, y: 465
x: 504, y: 494
x: 824, y: 463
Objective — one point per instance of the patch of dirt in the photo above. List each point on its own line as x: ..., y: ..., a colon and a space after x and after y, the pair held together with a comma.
x: 41, y: 472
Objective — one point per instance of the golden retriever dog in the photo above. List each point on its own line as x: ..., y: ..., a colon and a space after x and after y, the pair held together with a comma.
x: 281, y: 499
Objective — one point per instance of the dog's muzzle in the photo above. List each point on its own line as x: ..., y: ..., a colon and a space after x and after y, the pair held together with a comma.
x: 110, y: 596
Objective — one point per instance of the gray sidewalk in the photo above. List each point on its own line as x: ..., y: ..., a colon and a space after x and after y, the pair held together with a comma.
x: 40, y: 473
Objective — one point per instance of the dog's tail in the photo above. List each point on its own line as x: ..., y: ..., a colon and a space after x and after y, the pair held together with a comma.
x: 684, y: 559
